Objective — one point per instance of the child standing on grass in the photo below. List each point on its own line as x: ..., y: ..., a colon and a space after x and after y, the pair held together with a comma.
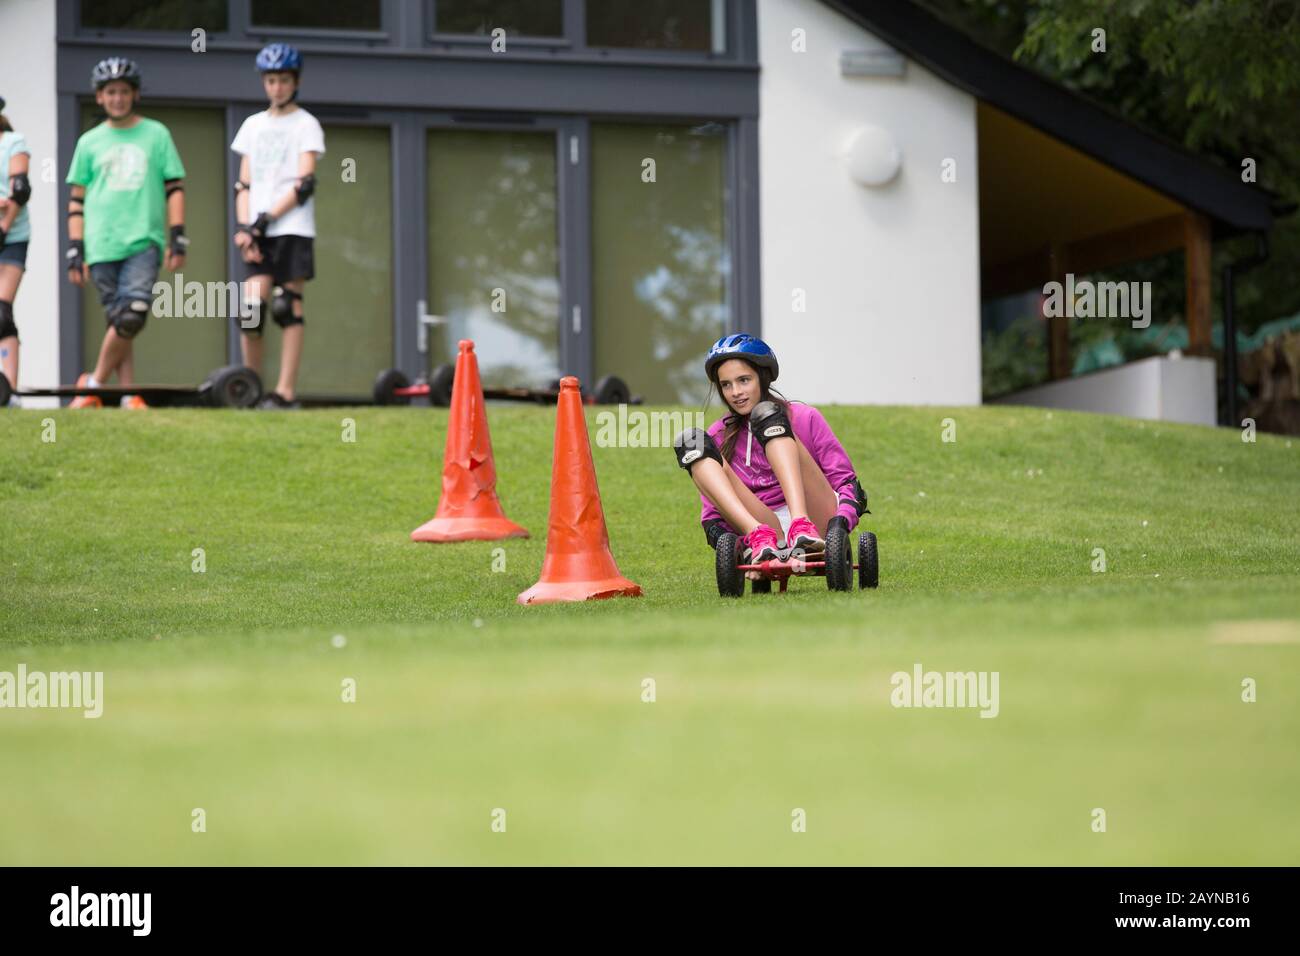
x: 15, y: 190
x: 127, y: 188
x: 277, y: 176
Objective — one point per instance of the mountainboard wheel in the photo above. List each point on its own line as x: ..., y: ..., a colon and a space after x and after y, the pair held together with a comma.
x: 386, y: 385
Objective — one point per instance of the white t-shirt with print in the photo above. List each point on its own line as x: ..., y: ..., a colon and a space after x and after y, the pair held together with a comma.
x: 273, y: 145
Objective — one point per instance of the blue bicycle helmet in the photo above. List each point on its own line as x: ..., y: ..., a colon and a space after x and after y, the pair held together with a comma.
x: 279, y: 57
x: 741, y: 345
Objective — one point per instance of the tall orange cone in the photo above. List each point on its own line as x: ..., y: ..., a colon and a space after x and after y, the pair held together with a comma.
x: 469, y: 509
x: 578, y: 565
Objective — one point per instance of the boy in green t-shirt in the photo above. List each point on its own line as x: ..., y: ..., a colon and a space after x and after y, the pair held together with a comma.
x: 126, y: 181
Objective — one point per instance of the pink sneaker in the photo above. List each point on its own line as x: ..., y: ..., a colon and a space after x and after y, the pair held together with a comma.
x: 761, y: 544
x: 803, y: 534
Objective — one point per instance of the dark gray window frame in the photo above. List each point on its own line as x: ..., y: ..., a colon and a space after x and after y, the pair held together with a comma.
x: 407, y: 85
x: 574, y: 38
x: 406, y: 25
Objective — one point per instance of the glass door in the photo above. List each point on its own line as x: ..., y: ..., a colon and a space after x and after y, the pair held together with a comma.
x: 180, y: 346
x: 349, y: 304
x: 492, y: 224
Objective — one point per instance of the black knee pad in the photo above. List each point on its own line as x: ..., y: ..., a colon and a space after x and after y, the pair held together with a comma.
x: 282, y: 301
x: 7, y: 327
x: 768, y: 420
x: 695, y: 444
x: 129, y: 318
x: 253, y: 324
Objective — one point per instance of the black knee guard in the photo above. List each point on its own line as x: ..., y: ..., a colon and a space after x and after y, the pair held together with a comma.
x: 252, y: 320
x: 768, y: 420
x: 694, y: 444
x: 128, y: 318
x: 7, y: 327
x: 282, y: 301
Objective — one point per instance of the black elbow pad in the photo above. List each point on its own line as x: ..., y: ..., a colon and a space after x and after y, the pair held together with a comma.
x: 859, y: 499
x: 768, y: 420
x: 20, y: 189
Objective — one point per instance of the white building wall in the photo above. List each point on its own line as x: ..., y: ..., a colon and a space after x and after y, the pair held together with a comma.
x: 1171, y: 388
x: 27, y: 31
x: 890, y: 273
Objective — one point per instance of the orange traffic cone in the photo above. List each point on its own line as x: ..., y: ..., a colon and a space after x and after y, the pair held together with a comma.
x: 469, y: 509
x: 578, y: 565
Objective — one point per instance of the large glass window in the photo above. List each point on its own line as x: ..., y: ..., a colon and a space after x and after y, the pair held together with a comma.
x: 535, y: 18
x: 180, y: 349
x: 660, y: 263
x: 312, y: 14
x: 348, y: 306
x: 154, y: 15
x: 493, y: 252
x: 655, y: 24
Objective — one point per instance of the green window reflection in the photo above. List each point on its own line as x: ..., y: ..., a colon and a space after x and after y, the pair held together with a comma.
x: 493, y: 254
x: 694, y: 25
x: 530, y: 18
x: 349, y: 304
x: 182, y: 15
x: 660, y: 262
x: 180, y: 349
x: 312, y: 14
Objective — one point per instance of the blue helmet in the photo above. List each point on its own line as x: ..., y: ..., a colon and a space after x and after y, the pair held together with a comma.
x: 741, y: 345
x: 278, y: 57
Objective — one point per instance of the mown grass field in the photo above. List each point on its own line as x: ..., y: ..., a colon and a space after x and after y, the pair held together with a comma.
x: 1119, y: 690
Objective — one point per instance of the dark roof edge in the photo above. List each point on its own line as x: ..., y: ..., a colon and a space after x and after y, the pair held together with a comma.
x: 1059, y: 112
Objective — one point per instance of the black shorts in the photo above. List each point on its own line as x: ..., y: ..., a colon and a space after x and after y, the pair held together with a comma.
x: 284, y: 259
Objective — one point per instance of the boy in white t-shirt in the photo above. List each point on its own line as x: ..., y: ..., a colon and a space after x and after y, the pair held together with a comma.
x: 277, y: 216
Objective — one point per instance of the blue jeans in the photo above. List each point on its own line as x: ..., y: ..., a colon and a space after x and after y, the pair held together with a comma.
x: 126, y: 280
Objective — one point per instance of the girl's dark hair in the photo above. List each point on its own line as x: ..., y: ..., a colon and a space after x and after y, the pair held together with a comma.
x: 4, y: 124
x: 734, y: 424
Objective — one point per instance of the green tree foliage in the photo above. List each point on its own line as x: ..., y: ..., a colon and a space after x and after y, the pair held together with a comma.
x: 1220, y: 77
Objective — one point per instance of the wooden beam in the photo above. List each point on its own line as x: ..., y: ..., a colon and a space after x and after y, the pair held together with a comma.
x: 1058, y: 326
x: 1124, y: 246
x: 1196, y: 246
x: 1120, y: 246
x: 1019, y: 275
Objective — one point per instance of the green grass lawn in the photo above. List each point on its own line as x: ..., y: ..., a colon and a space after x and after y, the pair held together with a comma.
x: 1119, y: 690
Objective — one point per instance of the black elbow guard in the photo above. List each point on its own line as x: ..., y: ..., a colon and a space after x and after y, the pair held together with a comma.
x: 768, y: 420
x: 20, y: 189
x: 694, y: 444
x: 861, y: 503
x: 306, y: 186
x: 173, y: 186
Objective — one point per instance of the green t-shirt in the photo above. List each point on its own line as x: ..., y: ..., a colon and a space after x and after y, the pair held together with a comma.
x: 123, y: 171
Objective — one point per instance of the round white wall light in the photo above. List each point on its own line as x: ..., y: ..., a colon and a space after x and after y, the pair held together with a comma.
x: 873, y: 156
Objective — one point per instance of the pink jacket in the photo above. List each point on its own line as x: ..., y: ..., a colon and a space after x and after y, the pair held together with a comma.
x: 753, y: 468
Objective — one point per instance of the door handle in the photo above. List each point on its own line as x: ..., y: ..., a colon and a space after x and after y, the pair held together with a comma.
x: 422, y: 322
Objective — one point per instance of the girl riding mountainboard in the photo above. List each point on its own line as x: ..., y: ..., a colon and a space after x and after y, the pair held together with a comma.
x: 126, y: 215
x: 770, y: 465
x: 278, y: 149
